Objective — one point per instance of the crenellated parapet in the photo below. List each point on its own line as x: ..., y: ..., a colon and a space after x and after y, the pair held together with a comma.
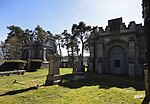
x: 116, y: 26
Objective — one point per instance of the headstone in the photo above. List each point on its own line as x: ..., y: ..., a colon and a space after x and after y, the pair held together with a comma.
x: 53, y: 73
x: 56, y: 64
x: 79, y: 74
x: 49, y: 80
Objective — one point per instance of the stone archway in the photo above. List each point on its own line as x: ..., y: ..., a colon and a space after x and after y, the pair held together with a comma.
x: 25, y: 54
x: 110, y: 46
x: 117, y: 60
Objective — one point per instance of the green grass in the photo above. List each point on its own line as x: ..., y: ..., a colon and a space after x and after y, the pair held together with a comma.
x: 36, y: 60
x: 65, y: 71
x: 94, y: 89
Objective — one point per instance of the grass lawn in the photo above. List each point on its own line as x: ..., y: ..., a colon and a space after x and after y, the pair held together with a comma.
x: 94, y: 89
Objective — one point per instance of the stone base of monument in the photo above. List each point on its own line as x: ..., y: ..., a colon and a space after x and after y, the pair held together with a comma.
x: 49, y: 80
x: 79, y: 75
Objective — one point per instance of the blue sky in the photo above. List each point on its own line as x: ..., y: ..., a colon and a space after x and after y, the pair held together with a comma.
x: 58, y: 15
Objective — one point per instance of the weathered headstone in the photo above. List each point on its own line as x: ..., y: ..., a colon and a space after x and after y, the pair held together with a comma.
x: 54, y: 63
x: 79, y: 74
x: 49, y: 80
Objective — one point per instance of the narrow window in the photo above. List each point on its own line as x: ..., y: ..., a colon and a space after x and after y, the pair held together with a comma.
x: 117, y: 63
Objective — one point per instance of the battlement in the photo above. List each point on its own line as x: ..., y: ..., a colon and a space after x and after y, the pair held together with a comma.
x: 117, y: 26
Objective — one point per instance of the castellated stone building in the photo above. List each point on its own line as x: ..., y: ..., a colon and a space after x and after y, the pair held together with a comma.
x: 119, y: 49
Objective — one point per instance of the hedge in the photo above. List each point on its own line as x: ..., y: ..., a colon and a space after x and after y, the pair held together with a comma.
x: 33, y: 65
x: 10, y: 65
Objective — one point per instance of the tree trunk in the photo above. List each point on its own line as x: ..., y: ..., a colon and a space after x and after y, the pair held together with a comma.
x: 72, y: 56
x: 60, y: 52
x: 68, y: 58
x: 82, y: 51
x: 82, y: 55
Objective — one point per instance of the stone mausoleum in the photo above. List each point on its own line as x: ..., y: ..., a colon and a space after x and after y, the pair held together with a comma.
x: 119, y: 49
x: 37, y: 50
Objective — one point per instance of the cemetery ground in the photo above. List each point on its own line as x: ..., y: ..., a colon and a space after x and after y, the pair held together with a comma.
x: 94, y: 89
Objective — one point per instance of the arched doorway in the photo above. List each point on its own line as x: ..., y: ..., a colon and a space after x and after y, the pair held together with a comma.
x: 117, y: 60
x: 25, y: 54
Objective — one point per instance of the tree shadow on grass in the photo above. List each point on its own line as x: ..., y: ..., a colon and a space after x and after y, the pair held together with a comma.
x: 104, y: 81
x: 19, y: 91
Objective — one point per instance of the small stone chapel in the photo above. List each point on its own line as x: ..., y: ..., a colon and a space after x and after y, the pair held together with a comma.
x: 119, y: 49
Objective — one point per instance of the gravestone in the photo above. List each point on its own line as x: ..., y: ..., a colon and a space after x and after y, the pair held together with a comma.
x: 79, y: 73
x: 53, y: 72
x: 56, y: 64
